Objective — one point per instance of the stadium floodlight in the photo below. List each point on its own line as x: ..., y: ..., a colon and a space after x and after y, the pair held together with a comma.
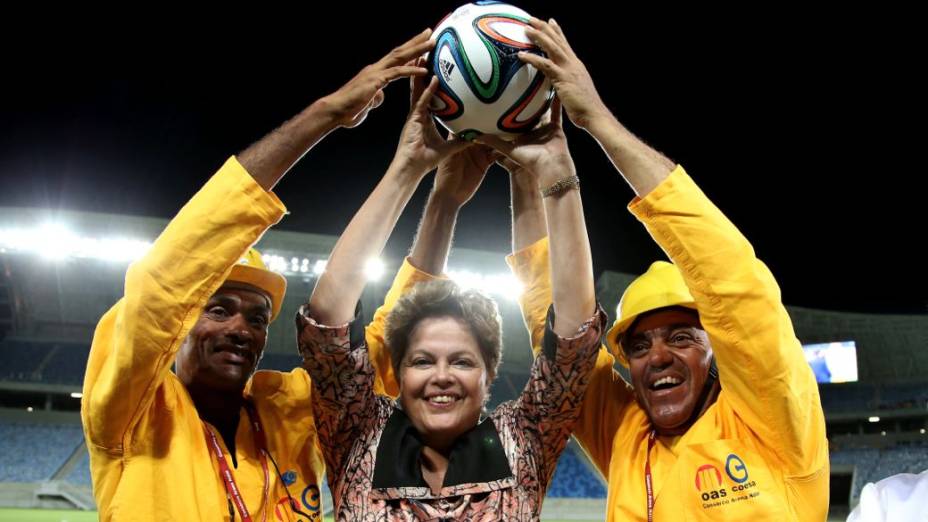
x: 504, y: 285
x: 12, y: 239
x: 275, y: 263
x: 374, y: 269
x: 118, y: 250
x: 54, y: 241
x: 874, y: 419
x: 76, y: 395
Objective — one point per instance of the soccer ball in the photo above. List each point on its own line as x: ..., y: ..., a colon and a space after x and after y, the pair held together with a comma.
x: 483, y: 87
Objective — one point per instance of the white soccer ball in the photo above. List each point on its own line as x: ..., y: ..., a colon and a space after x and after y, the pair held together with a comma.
x: 483, y: 87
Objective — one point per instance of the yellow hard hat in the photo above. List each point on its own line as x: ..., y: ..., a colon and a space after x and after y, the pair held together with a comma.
x: 252, y: 271
x: 661, y: 286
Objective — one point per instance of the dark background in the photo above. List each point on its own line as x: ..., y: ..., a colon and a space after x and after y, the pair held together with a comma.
x: 802, y: 125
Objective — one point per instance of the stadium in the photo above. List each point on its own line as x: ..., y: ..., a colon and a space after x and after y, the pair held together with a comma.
x: 92, y: 174
x: 57, y: 282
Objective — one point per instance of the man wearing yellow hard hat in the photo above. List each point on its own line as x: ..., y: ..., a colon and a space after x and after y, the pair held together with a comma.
x: 213, y: 440
x: 722, y: 419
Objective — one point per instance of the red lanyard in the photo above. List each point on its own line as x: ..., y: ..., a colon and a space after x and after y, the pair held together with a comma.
x: 232, y: 491
x: 648, y: 483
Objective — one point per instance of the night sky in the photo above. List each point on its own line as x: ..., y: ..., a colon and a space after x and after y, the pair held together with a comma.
x: 798, y: 124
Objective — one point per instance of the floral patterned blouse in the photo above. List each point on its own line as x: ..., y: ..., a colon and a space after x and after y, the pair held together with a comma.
x: 499, y: 470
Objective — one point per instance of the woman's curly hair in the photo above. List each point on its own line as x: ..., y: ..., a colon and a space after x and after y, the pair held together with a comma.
x: 444, y: 298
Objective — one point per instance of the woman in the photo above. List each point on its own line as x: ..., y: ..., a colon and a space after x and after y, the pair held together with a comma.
x: 427, y: 455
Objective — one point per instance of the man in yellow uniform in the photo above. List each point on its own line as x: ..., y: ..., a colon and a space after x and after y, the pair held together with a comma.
x: 685, y: 441
x: 213, y: 440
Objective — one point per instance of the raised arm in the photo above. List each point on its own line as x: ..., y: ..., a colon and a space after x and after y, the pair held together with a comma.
x: 762, y: 370
x: 554, y: 394
x: 544, y: 152
x: 136, y: 341
x: 268, y: 159
x: 334, y: 353
x: 419, y: 151
x: 456, y: 182
x: 641, y: 166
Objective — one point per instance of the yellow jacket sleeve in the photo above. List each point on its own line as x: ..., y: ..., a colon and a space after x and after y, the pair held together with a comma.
x: 606, y: 397
x: 530, y: 266
x: 761, y: 365
x: 136, y: 340
x: 408, y: 276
